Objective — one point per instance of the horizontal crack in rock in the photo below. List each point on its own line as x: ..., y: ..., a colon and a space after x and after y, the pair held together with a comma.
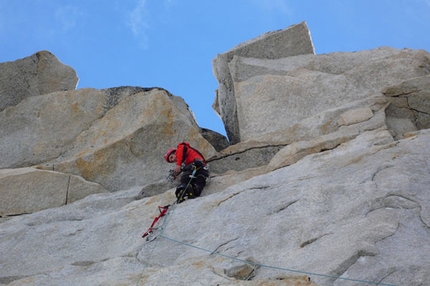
x: 227, y: 198
x: 312, y: 240
x: 8, y: 279
x: 282, y: 207
x: 225, y: 243
x: 223, y: 156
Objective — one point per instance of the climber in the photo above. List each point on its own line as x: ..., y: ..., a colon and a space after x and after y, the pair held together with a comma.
x: 188, y: 161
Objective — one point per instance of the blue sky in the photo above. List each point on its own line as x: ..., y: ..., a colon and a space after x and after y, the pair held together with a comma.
x: 171, y: 43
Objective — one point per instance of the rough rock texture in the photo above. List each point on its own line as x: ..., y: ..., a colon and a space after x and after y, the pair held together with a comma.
x: 29, y: 190
x: 42, y: 128
x: 292, y: 41
x: 114, y: 137
x: 286, y: 91
x: 359, y: 211
x: 38, y: 74
x: 335, y: 192
x: 410, y: 108
x: 125, y: 148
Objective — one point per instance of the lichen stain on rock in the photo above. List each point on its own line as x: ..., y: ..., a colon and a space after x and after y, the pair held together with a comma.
x: 326, y: 128
x: 92, y: 166
x: 156, y: 102
x: 199, y: 264
x: 290, y: 280
x: 169, y: 126
x: 151, y: 201
x: 75, y: 107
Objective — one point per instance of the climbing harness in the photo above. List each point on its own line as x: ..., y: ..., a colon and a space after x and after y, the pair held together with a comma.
x: 182, y: 194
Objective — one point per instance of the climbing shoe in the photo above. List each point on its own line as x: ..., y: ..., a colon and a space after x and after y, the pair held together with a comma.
x: 181, y: 196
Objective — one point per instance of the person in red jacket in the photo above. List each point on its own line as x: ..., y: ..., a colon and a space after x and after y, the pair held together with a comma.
x: 187, y: 160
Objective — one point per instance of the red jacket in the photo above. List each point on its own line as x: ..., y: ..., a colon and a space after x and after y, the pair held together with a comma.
x: 190, y: 154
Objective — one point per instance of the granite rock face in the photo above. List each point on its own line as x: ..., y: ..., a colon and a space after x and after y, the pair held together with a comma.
x: 324, y: 182
x: 359, y: 211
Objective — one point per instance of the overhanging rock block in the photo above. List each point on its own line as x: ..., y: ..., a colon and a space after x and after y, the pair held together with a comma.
x: 292, y: 41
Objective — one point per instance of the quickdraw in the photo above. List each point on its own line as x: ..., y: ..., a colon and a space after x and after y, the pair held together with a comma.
x: 163, y: 211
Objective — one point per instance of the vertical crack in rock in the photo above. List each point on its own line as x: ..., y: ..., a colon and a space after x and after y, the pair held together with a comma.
x: 427, y: 224
x: 68, y: 188
x: 386, y: 276
x: 390, y: 235
x: 252, y: 273
x: 132, y: 150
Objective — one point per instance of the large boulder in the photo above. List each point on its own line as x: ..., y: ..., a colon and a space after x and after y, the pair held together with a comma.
x: 40, y: 73
x: 115, y: 137
x: 272, y: 96
x: 292, y: 41
x: 29, y: 190
x: 125, y: 147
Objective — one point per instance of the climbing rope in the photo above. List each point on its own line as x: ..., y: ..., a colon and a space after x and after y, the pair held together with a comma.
x: 164, y: 211
x: 214, y: 252
x: 161, y: 227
